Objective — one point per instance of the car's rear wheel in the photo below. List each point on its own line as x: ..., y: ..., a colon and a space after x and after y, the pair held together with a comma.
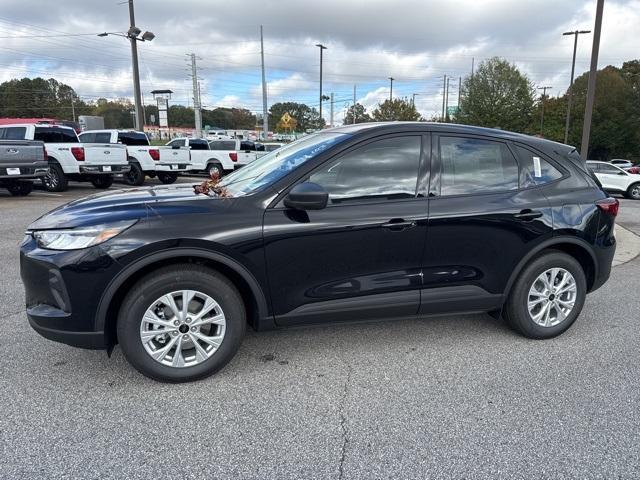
x: 135, y: 176
x: 167, y: 178
x: 55, y: 180
x: 181, y: 323
x: 633, y: 192
x: 547, y: 297
x: 102, y: 182
x: 20, y: 189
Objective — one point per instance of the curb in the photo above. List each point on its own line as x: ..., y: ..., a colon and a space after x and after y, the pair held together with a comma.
x: 628, y: 246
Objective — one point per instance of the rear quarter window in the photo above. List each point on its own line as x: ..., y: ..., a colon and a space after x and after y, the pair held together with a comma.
x: 535, y: 169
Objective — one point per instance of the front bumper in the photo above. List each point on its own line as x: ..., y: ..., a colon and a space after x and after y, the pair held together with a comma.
x: 104, y: 169
x: 61, y: 300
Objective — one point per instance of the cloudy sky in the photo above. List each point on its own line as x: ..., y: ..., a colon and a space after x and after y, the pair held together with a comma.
x: 414, y: 41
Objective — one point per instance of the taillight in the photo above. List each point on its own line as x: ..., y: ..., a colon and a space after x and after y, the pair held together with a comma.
x: 78, y: 153
x: 233, y: 156
x: 609, y: 205
x: 155, y: 154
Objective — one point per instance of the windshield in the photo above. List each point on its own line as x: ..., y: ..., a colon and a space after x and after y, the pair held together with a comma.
x: 275, y: 165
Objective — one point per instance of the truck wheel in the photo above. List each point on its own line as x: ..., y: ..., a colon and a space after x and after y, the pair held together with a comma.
x: 135, y: 176
x: 102, y: 182
x: 215, y: 168
x: 167, y: 178
x: 55, y: 180
x: 20, y: 189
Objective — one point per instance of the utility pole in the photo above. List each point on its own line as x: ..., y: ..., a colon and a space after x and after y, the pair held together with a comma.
x: 137, y: 95
x: 446, y: 109
x: 573, y: 69
x: 321, y: 47
x: 354, y: 104
x: 265, y: 113
x: 73, y: 109
x: 444, y: 95
x: 591, y: 88
x: 413, y: 98
x: 391, y: 79
x: 331, y: 112
x: 196, y: 97
x: 459, y: 91
x: 544, y: 95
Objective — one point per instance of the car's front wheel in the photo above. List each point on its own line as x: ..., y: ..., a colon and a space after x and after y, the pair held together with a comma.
x: 102, y: 182
x: 20, y: 189
x: 181, y: 323
x: 167, y: 178
x: 547, y: 297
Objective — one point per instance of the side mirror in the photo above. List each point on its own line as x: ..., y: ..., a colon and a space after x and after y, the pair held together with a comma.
x: 307, y: 196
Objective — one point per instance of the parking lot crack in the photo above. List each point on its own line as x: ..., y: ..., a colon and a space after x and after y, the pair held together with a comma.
x: 343, y: 423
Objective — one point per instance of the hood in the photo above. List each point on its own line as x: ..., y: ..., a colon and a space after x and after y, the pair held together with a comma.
x: 133, y: 204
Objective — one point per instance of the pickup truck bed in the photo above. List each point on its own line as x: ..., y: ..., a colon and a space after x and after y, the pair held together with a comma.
x: 20, y: 162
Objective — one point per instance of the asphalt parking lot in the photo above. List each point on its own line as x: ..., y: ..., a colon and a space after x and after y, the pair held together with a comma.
x: 447, y: 397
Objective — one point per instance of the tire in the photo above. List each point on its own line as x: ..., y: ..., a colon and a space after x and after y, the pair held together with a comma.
x: 158, y: 285
x: 517, y: 311
x: 135, y: 176
x: 633, y: 192
x: 167, y: 178
x: 20, y: 189
x: 55, y: 180
x: 215, y: 167
x: 102, y: 182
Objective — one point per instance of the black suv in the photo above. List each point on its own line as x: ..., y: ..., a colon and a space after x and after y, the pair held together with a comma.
x: 361, y: 222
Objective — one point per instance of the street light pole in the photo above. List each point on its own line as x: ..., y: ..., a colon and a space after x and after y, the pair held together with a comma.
x: 391, y: 79
x: 573, y: 70
x: 137, y: 95
x: 321, y: 47
x: 413, y: 98
x: 591, y: 88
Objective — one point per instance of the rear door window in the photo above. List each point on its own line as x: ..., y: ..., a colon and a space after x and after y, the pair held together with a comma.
x: 476, y: 166
x: 55, y: 135
x: 222, y: 145
x: 199, y: 144
x: 89, y: 137
x: 133, y: 138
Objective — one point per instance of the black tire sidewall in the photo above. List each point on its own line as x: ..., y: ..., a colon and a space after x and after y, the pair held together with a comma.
x: 139, y: 177
x: 56, y: 169
x: 102, y: 182
x: 167, y: 178
x: 20, y: 189
x: 153, y: 287
x: 516, y: 309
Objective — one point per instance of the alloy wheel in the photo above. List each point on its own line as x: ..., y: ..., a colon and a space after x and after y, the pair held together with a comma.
x: 552, y: 297
x: 182, y: 328
x: 51, y: 180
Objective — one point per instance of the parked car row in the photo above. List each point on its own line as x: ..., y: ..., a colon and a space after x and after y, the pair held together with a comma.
x: 96, y: 156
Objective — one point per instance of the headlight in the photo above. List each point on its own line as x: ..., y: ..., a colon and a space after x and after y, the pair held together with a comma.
x: 78, y: 238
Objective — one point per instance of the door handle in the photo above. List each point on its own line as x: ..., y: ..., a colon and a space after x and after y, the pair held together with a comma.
x: 527, y: 215
x: 398, y: 224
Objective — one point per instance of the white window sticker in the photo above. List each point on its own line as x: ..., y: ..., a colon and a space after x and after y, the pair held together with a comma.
x: 537, y: 170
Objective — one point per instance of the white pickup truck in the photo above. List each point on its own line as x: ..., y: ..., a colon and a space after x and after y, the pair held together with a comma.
x: 68, y: 158
x: 221, y: 156
x: 145, y: 160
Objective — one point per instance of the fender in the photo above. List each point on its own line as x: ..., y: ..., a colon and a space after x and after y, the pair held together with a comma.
x: 546, y: 244
x: 265, y: 320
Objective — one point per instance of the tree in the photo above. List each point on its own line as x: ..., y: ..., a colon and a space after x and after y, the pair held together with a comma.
x: 37, y: 97
x: 307, y: 118
x: 498, y: 95
x: 395, y: 110
x: 360, y: 113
